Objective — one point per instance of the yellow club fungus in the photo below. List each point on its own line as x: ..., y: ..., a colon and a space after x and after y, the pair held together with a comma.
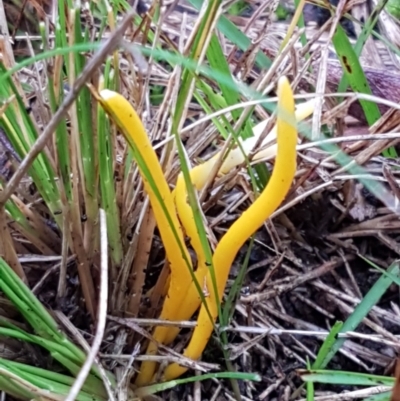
x: 251, y: 220
x: 164, y: 211
x: 183, y: 299
x: 199, y: 176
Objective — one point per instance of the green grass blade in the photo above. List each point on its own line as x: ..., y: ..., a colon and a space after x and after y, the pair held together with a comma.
x: 65, y: 50
x: 362, y: 310
x: 28, y: 305
x: 62, y: 22
x: 393, y: 8
x: 184, y: 93
x: 218, y: 62
x: 234, y: 292
x: 15, y: 389
x: 21, y: 132
x: 392, y: 277
x: 235, y: 35
x: 49, y: 335
x: 59, y: 351
x: 61, y: 134
x: 301, y: 24
x: 85, y: 113
x: 155, y: 388
x: 354, y: 73
x: 107, y: 188
x: 366, y: 31
x: 309, y: 385
x: 346, y: 378
x: 49, y: 380
x: 327, y: 345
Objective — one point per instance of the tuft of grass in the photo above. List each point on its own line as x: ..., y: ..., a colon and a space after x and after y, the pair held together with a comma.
x: 23, y: 380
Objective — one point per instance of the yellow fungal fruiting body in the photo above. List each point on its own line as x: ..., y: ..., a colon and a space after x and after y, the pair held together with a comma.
x: 170, y: 230
x: 199, y: 175
x: 270, y: 199
x: 192, y: 299
x: 182, y: 299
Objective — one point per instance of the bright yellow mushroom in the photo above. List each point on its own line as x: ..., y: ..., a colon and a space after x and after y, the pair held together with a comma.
x: 164, y: 211
x: 180, y: 302
x: 199, y: 176
x: 251, y: 220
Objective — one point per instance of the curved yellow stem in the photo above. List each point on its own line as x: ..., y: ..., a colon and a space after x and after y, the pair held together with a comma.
x: 199, y: 176
x: 270, y: 199
x: 164, y: 211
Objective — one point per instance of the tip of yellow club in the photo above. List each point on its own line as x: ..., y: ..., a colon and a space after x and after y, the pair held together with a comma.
x: 107, y: 94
